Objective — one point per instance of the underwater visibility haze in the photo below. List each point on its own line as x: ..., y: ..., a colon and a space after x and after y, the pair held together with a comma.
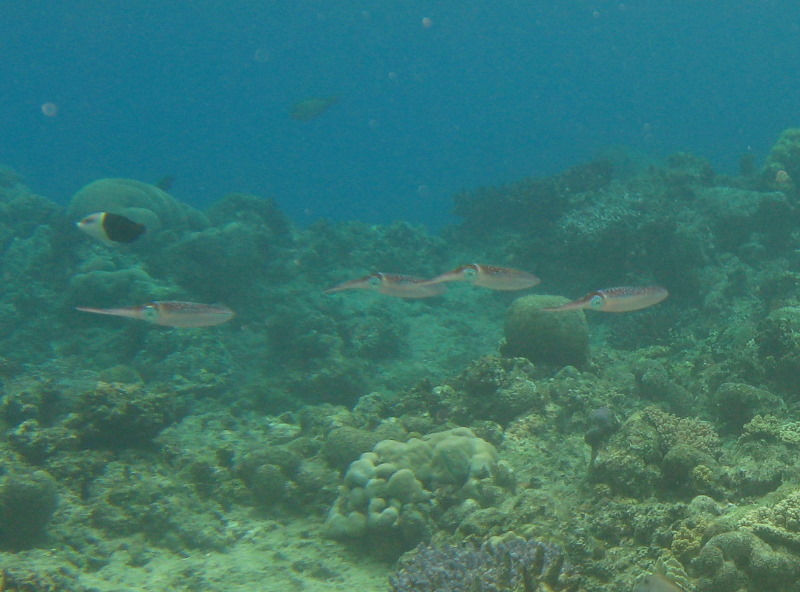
x: 399, y: 296
x: 431, y: 98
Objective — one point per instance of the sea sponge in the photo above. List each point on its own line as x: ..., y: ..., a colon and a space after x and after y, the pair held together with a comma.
x: 558, y: 338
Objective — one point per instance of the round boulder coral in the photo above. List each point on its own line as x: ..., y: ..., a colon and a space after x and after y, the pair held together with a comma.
x: 558, y: 338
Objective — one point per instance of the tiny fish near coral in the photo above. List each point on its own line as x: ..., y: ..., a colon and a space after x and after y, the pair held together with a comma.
x: 620, y: 299
x: 171, y: 313
x: 489, y: 276
x: 402, y: 286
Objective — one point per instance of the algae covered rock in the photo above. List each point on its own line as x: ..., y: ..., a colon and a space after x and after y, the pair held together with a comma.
x: 560, y: 338
x: 493, y: 388
x: 737, y: 404
x: 345, y: 444
x: 117, y: 416
x: 778, y: 340
x: 654, y: 449
x: 27, y: 502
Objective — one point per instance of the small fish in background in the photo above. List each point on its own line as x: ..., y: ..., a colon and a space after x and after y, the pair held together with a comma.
x: 165, y: 183
x: 171, y: 313
x: 782, y: 178
x: 111, y: 228
x: 309, y: 109
x: 489, y: 276
x: 401, y: 286
x: 621, y: 299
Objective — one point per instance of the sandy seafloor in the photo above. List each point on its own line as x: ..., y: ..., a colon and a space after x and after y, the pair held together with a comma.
x: 267, y: 555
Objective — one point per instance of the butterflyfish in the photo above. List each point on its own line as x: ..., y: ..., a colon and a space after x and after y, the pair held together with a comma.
x: 111, y: 228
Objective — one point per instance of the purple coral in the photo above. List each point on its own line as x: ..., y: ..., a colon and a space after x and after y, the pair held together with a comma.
x: 510, y: 564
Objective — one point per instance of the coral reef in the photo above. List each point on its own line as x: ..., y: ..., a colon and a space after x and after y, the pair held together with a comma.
x: 135, y: 449
x: 501, y: 563
x: 531, y: 202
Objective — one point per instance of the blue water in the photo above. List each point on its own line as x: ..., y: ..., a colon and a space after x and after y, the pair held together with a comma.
x: 491, y: 92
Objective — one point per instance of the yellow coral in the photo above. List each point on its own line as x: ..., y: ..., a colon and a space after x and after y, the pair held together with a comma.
x: 688, y: 540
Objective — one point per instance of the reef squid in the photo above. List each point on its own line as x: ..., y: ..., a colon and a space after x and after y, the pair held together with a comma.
x: 489, y: 276
x: 620, y: 299
x: 402, y: 286
x: 171, y: 313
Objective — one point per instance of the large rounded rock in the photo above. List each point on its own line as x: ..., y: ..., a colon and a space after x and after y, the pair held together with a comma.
x: 558, y: 338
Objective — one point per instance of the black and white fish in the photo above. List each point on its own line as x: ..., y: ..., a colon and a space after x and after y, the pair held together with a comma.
x: 111, y: 228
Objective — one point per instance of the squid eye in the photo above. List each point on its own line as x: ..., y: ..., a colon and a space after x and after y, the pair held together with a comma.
x: 375, y: 281
x: 470, y: 272
x: 596, y: 301
x: 150, y: 312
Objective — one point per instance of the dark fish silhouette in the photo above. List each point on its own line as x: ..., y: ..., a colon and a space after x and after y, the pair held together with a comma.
x: 111, y: 228
x: 165, y: 183
x: 312, y: 108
